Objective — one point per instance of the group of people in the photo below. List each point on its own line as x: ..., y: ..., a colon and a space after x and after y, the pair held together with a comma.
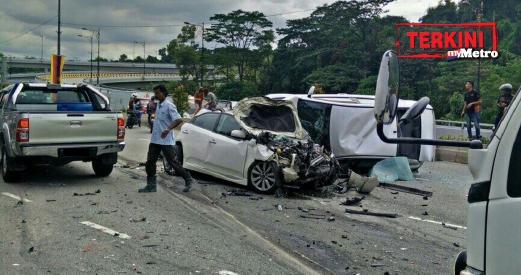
x: 200, y: 96
x: 472, y: 102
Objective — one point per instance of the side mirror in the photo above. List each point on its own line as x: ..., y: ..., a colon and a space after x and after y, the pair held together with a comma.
x: 387, y: 86
x: 311, y: 91
x: 415, y: 111
x: 238, y: 134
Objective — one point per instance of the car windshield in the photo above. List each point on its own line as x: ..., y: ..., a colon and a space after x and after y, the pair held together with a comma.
x: 272, y: 118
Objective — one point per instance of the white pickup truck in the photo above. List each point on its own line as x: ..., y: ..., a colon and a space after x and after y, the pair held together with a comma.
x: 56, y: 124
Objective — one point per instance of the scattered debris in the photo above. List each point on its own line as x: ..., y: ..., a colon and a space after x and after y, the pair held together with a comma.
x: 331, y: 219
x: 23, y: 221
x: 98, y: 191
x: 363, y: 184
x: 305, y: 210
x: 126, y: 166
x: 449, y: 226
x: 309, y: 216
x: 104, y: 212
x: 139, y: 220
x: 50, y: 200
x: 392, y: 169
x: 237, y: 192
x: 340, y: 189
x: 116, y: 234
x: 135, y: 177
x: 144, y: 238
x: 279, y: 193
x: 395, y: 192
x: 425, y: 213
x: 279, y: 207
x: 366, y: 212
x: 344, y: 236
x: 141, y: 164
x: 403, y: 248
x: 255, y: 198
x: 31, y: 249
x: 353, y: 201
x: 405, y: 189
x: 377, y: 265
x: 20, y: 202
x: 150, y: 245
x: 150, y: 263
x: 456, y: 244
x: 94, y: 203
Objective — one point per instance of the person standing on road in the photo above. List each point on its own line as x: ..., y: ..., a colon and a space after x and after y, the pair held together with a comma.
x: 502, y: 102
x: 162, y: 140
x: 471, y: 108
x: 211, y: 99
x: 198, y: 100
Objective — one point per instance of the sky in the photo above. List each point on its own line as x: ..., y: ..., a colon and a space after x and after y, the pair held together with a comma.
x: 123, y: 22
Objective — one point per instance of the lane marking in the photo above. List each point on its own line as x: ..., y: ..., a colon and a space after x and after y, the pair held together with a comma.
x: 144, y: 139
x: 435, y: 222
x: 105, y: 230
x: 15, y: 197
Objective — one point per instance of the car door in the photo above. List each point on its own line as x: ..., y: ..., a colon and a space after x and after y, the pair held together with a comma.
x: 195, y: 137
x: 503, y: 239
x: 226, y: 154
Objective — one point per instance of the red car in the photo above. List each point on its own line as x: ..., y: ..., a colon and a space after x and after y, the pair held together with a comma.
x: 143, y: 102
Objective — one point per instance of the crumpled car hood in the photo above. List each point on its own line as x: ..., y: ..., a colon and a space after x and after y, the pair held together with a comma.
x: 261, y: 114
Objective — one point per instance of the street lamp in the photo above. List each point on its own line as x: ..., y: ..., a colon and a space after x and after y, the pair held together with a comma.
x: 89, y: 37
x: 144, y: 60
x: 479, y: 17
x: 97, y: 33
x: 202, y: 48
x: 41, y: 56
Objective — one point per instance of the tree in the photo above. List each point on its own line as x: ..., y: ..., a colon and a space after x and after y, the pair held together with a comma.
x: 241, y: 31
x: 123, y: 58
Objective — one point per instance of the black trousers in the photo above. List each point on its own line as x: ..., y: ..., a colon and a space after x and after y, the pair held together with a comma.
x: 168, y: 152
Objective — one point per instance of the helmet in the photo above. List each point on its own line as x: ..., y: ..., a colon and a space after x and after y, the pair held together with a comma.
x: 506, y: 86
x: 134, y: 95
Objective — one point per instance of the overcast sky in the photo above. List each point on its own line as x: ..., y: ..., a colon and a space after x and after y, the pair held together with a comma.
x: 20, y: 16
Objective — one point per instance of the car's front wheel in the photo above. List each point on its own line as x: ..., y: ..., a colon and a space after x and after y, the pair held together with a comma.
x: 263, y: 177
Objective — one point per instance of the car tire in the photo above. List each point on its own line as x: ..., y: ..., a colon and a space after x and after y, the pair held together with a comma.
x: 8, y: 175
x: 100, y: 169
x: 179, y: 156
x: 264, y: 177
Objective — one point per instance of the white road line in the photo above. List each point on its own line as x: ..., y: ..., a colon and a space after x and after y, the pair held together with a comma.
x: 144, y: 139
x: 105, y: 230
x: 435, y: 222
x: 15, y: 197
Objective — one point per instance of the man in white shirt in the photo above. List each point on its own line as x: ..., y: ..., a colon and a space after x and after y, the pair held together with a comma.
x: 162, y: 140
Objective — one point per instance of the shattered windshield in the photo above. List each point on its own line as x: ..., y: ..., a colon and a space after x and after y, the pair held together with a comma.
x: 271, y: 118
x: 315, y: 118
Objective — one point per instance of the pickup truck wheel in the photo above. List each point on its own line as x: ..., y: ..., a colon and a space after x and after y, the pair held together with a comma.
x: 102, y: 170
x: 179, y: 155
x: 263, y: 177
x: 8, y: 175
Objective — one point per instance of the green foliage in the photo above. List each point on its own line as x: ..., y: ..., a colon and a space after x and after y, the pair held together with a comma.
x: 179, y: 96
x: 236, y: 90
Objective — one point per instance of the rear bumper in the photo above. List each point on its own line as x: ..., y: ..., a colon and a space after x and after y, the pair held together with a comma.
x: 53, y: 150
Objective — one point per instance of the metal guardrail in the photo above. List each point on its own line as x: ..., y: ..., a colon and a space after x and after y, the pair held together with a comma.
x: 462, y: 124
x: 45, y: 77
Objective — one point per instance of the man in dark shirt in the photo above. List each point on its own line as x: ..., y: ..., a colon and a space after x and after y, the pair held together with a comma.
x: 503, y: 101
x: 471, y: 108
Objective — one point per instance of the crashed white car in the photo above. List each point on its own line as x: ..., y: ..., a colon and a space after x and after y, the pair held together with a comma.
x: 261, y: 144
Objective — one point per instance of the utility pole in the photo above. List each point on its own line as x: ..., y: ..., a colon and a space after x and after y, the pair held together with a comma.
x: 479, y: 60
x: 90, y: 38
x: 144, y: 59
x: 97, y: 33
x: 41, y: 56
x: 202, y: 49
x: 59, y: 25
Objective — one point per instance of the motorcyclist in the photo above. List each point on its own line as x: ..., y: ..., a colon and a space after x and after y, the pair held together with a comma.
x: 137, y: 111
x: 151, y: 109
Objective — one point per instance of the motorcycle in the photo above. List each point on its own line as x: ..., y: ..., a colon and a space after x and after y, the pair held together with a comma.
x: 132, y: 119
x: 151, y: 121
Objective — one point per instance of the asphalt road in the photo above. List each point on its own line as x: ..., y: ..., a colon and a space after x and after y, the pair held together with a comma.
x: 206, y: 232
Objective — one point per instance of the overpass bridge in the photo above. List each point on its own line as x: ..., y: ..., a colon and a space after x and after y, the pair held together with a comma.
x: 86, y: 66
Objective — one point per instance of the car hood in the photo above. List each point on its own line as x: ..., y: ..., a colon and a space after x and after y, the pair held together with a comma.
x: 261, y: 114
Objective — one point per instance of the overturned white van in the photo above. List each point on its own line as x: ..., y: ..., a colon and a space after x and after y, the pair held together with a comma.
x: 345, y: 124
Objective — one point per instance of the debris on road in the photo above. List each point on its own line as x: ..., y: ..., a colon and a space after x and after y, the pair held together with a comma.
x: 331, y: 219
x: 305, y: 210
x: 392, y: 169
x: 425, y: 213
x: 377, y: 265
x: 20, y: 202
x: 237, y: 192
x: 449, y: 226
x: 456, y: 244
x: 139, y: 220
x: 366, y: 212
x: 150, y: 245
x: 126, y: 166
x: 279, y: 207
x: 23, y: 221
x: 98, y: 191
x: 353, y: 201
x: 426, y: 198
x: 362, y: 184
x: 31, y: 249
x: 405, y: 189
x: 310, y: 216
x: 50, y: 200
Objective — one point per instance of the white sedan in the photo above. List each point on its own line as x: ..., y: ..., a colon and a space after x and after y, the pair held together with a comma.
x: 261, y: 144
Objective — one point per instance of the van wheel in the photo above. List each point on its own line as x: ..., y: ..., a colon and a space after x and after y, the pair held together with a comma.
x: 101, y: 170
x: 8, y: 175
x: 179, y: 156
x: 263, y: 177
x: 461, y: 262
